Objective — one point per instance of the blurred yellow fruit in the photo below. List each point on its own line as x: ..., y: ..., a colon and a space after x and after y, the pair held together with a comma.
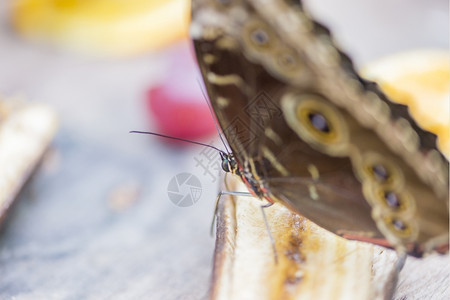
x: 103, y: 27
x: 419, y: 79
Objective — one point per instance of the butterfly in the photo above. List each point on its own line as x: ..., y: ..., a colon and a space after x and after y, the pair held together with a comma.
x: 307, y: 131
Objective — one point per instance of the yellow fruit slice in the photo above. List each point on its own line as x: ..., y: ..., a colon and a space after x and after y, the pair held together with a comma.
x: 103, y: 27
x: 419, y: 79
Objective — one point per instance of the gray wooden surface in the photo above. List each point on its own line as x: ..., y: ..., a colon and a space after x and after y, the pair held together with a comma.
x: 95, y: 222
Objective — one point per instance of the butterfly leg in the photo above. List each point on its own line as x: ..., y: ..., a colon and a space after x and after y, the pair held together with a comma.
x: 216, y: 207
x: 266, y: 223
x: 269, y: 232
x: 391, y: 285
x: 213, y: 221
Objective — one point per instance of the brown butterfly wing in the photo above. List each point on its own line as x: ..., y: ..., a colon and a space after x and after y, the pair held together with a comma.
x: 245, y: 98
x: 272, y: 89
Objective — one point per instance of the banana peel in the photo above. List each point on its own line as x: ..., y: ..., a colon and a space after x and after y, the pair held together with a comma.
x: 26, y: 130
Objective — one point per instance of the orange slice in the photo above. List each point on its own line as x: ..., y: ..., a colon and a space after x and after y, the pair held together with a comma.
x: 103, y: 27
x: 419, y: 79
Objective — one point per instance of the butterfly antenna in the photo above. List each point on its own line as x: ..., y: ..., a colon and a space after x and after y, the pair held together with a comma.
x: 176, y: 138
x: 212, y: 115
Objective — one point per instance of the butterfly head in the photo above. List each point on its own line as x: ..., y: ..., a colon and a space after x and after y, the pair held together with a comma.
x: 229, y: 163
